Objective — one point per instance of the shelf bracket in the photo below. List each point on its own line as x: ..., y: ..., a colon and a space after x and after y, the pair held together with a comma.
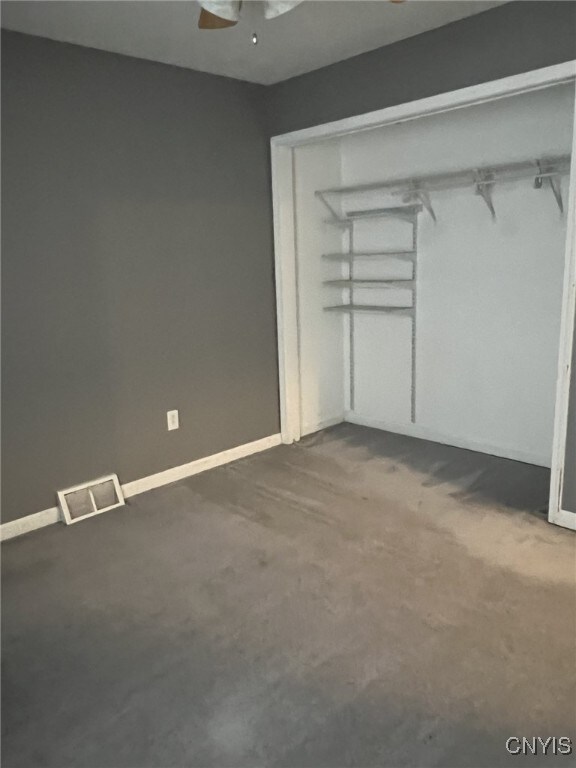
x: 553, y: 179
x: 484, y: 188
x: 422, y: 196
x: 557, y: 192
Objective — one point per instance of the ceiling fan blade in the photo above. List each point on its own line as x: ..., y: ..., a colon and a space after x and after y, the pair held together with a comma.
x: 274, y: 8
x: 209, y: 20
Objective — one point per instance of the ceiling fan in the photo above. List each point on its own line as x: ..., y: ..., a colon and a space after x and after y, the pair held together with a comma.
x: 219, y: 14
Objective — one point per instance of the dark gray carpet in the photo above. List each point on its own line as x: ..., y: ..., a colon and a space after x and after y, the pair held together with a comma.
x: 360, y: 599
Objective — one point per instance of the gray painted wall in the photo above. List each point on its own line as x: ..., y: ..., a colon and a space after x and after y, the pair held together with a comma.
x: 516, y: 37
x: 137, y: 268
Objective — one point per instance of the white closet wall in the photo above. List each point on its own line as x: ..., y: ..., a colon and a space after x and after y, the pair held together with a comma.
x: 488, y: 291
x: 322, y: 341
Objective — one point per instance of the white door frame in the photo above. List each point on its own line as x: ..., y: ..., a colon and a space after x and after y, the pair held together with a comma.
x: 282, y: 157
x: 556, y: 514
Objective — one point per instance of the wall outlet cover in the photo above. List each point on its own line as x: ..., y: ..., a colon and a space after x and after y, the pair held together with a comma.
x: 173, y: 420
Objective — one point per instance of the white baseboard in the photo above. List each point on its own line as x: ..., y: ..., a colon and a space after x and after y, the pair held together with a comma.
x: 309, y: 429
x: 564, y: 518
x: 425, y: 433
x: 29, y: 523
x: 200, y: 465
x: 52, y: 515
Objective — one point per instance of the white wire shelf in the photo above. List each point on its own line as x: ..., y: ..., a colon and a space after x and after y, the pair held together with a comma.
x: 397, y: 254
x: 541, y: 168
x: 546, y: 172
x: 372, y: 308
x: 402, y: 282
x: 402, y: 212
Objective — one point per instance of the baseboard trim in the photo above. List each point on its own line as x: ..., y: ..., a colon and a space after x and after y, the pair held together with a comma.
x: 424, y: 433
x: 199, y: 465
x: 50, y: 516
x: 29, y: 523
x: 309, y: 429
x: 564, y: 518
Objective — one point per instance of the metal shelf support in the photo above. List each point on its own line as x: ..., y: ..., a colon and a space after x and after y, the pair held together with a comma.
x: 553, y: 182
x: 484, y: 188
x: 481, y: 180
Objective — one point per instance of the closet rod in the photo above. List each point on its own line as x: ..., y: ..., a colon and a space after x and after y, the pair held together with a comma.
x: 543, y: 168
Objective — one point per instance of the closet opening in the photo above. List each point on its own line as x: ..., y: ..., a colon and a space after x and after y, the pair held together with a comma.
x: 427, y: 291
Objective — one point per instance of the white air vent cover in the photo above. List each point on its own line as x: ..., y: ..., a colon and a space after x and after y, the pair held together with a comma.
x: 88, y: 499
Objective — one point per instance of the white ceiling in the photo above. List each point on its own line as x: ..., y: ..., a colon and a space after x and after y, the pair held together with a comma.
x: 316, y: 33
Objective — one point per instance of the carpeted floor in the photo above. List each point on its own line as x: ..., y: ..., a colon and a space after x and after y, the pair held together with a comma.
x: 359, y: 599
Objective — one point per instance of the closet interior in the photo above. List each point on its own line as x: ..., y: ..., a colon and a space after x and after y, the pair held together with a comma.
x: 430, y: 265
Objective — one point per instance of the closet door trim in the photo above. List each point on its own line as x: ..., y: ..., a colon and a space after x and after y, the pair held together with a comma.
x: 557, y: 515
x: 285, y: 268
x: 443, y: 102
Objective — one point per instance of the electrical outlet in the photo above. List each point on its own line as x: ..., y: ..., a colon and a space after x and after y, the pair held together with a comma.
x: 173, y: 420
